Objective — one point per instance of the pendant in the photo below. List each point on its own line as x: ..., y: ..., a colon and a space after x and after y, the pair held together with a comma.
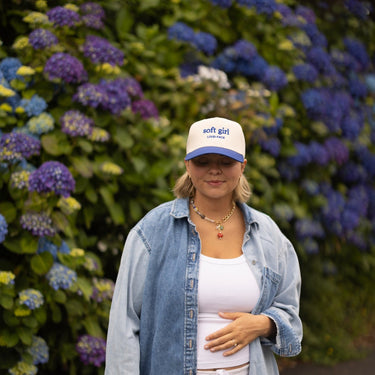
x: 220, y: 235
x: 220, y: 227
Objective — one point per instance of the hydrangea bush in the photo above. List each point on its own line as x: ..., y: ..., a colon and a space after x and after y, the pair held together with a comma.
x: 95, y: 106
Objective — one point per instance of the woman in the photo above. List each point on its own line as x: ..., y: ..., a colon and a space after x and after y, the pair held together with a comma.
x: 207, y: 285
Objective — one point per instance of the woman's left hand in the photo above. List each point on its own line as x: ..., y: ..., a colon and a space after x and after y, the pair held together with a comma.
x: 243, y: 329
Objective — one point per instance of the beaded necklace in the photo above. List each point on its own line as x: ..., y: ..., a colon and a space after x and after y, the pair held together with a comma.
x: 218, y: 223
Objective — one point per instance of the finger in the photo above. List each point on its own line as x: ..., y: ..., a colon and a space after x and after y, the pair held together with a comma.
x: 227, y: 344
x: 230, y: 315
x: 220, y: 333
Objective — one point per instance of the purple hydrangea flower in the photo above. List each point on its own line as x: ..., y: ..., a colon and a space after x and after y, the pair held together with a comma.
x: 42, y: 38
x: 146, y: 108
x: 3, y: 228
x: 360, y: 9
x: 99, y: 51
x: 344, y: 60
x: 38, y: 350
x: 31, y: 298
x: 132, y: 87
x: 117, y: 98
x: 34, y: 106
x: 306, y: 13
x: 181, y: 31
x: 92, y: 15
x: 91, y: 95
x: 288, y: 16
x: 61, y: 16
x: 205, y: 42
x: 60, y: 276
x: 357, y: 88
x: 16, y: 146
x: 102, y: 290
x: 76, y: 124
x: 91, y: 350
x: 305, y: 72
x: 337, y: 150
x: 368, y: 159
x: 39, y: 224
x: 66, y: 67
x: 52, y: 176
x: 9, y: 67
x: 274, y: 78
x: 352, y: 173
x: 352, y: 124
x: 222, y: 3
x: 318, y: 153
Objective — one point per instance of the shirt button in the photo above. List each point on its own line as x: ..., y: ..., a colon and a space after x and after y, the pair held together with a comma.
x: 254, y: 262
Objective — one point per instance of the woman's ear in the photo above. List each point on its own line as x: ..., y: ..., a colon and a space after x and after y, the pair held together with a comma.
x: 243, y: 165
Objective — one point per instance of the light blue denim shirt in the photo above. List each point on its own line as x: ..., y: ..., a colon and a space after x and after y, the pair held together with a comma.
x: 153, y: 319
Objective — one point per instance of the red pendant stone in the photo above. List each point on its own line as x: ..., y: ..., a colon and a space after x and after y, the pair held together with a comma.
x: 220, y: 235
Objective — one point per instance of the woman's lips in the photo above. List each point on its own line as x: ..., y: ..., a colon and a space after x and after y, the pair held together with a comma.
x: 215, y: 182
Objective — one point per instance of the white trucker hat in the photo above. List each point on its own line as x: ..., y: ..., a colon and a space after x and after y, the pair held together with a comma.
x: 216, y: 135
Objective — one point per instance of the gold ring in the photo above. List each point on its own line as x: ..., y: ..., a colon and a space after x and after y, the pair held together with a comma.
x: 235, y: 343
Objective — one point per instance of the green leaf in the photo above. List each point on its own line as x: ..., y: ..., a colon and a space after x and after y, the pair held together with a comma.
x: 92, y: 326
x: 74, y: 307
x: 30, y: 322
x: 56, y: 144
x: 25, y: 334
x: 41, y: 263
x: 123, y: 138
x: 8, y: 338
x: 8, y: 210
x: 83, y: 166
x: 124, y: 22
x: 85, y: 287
x: 26, y: 245
x: 59, y: 296
x: 6, y: 301
x: 115, y: 210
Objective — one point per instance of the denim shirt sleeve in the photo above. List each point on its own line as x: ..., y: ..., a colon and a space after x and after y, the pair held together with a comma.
x: 122, y: 352
x: 284, y: 310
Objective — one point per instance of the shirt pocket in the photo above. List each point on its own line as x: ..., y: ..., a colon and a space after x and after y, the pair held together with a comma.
x: 270, y: 286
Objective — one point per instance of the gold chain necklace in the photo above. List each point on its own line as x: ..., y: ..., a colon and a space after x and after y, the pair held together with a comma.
x: 218, y: 223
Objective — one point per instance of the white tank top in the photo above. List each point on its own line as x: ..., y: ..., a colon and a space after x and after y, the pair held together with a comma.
x: 225, y: 285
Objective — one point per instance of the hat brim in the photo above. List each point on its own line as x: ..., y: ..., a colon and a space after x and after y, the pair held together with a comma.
x: 215, y: 150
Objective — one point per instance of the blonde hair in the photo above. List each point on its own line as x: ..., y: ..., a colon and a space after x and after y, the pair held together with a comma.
x: 184, y: 188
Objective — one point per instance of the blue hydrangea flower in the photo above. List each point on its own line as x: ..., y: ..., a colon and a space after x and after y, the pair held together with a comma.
x: 318, y: 153
x: 132, y: 87
x: 357, y: 88
x: 23, y: 368
x: 205, y: 42
x: 274, y: 78
x: 46, y: 245
x: 146, y: 108
x: 31, y: 298
x: 307, y: 228
x: 9, y: 67
x: 244, y: 49
x: 3, y: 228
x: 34, y: 106
x: 42, y: 38
x: 66, y: 67
x: 368, y: 160
x: 352, y: 173
x: 310, y: 246
x: 344, y: 60
x: 64, y: 248
x: 358, y: 51
x: 16, y: 146
x: 306, y: 13
x: 352, y: 124
x: 317, y: 38
x: 288, y: 18
x: 271, y: 145
x: 319, y: 58
x: 261, y: 6
x: 41, y: 124
x: 61, y: 16
x: 75, y: 123
x: 7, y: 278
x: 181, y: 31
x: 305, y: 72
x: 100, y: 51
x: 39, y: 224
x: 52, y: 176
x: 302, y: 156
x: 256, y: 68
x: 91, y: 350
x: 60, y: 276
x: 38, y: 350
